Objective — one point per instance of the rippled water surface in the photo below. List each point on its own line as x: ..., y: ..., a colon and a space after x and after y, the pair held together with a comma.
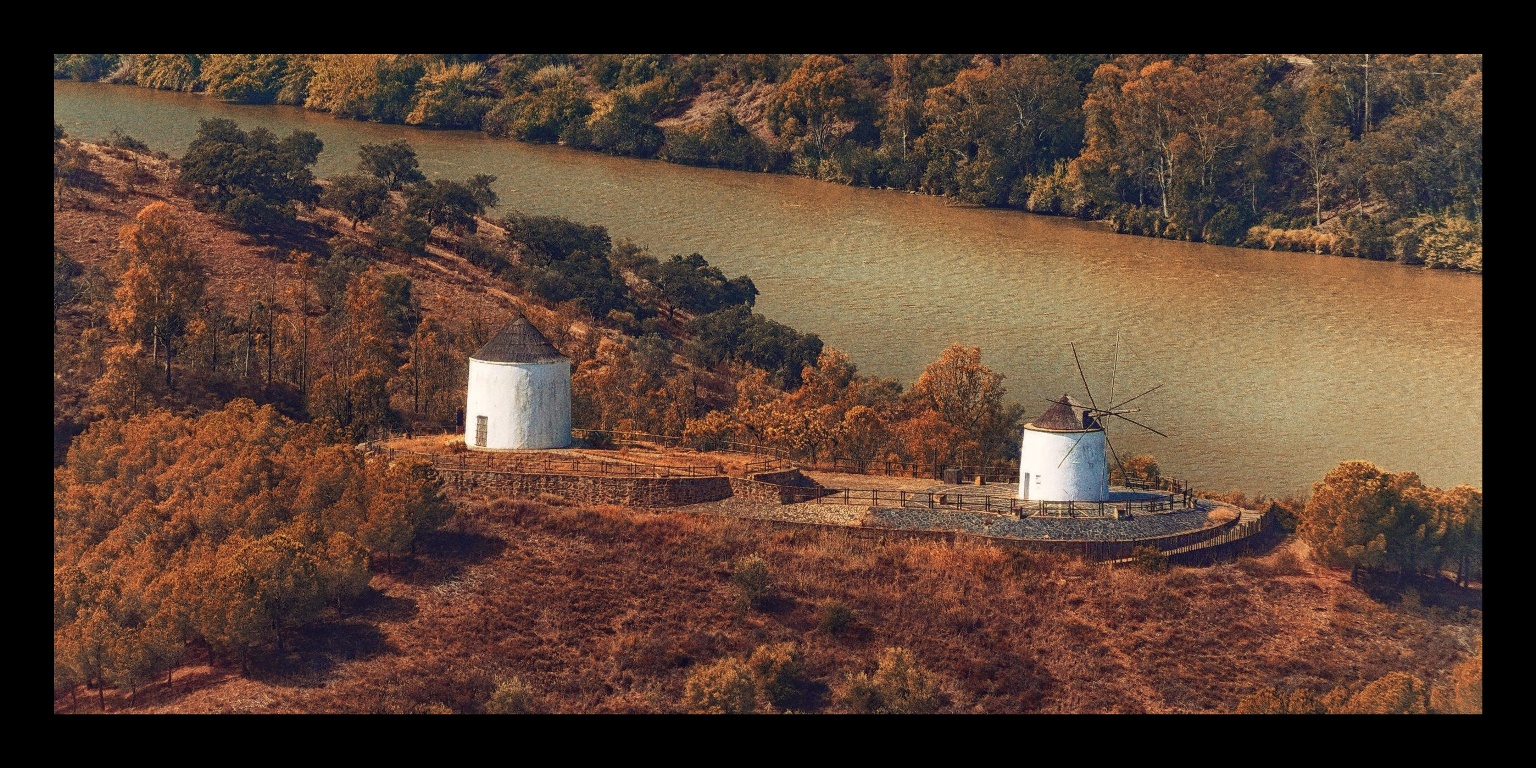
x: 1273, y: 367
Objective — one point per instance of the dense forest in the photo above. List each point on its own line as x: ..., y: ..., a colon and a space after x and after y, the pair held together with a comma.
x: 227, y: 327
x: 1370, y: 155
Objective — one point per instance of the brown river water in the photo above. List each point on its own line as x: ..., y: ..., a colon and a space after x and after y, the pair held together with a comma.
x: 1273, y: 367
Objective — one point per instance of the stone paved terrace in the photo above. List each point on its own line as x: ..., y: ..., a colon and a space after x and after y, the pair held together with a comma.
x: 1204, y: 514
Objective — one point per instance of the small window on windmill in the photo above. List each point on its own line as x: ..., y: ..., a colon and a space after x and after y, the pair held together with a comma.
x: 480, y: 427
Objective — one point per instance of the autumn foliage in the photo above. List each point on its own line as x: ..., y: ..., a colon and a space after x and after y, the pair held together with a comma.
x: 223, y: 534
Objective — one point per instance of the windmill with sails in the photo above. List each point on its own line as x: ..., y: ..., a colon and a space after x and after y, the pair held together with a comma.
x: 1064, y: 455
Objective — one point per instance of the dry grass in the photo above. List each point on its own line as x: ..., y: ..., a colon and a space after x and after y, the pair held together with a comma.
x: 606, y: 610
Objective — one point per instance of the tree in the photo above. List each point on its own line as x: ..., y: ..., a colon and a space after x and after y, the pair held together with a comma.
x: 374, y: 87
x: 736, y: 333
x: 722, y: 142
x: 995, y: 126
x: 1428, y: 158
x: 1318, y: 141
x: 362, y: 351
x: 263, y: 588
x: 1462, y: 510
x: 563, y: 260
x: 405, y: 501
x: 553, y: 106
x: 161, y: 282
x: 84, y: 67
x: 394, y: 163
x: 168, y: 71
x: 689, y: 283
x: 621, y: 124
x: 1362, y: 517
x: 358, y: 197
x: 451, y: 96
x: 811, y: 105
x: 968, y: 396
x: 450, y: 203
x: 252, y: 78
x: 230, y: 531
x: 1141, y: 467
x: 252, y: 177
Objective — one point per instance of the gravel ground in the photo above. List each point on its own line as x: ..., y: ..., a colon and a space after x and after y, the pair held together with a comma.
x: 1140, y: 527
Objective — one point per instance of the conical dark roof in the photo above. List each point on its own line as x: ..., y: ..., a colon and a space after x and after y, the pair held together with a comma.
x: 1065, y: 413
x: 518, y: 342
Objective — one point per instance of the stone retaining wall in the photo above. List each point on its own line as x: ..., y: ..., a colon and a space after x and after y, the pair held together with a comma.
x: 587, y: 489
x: 781, y: 487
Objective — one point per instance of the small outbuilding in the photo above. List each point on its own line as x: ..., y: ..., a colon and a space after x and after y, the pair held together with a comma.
x: 1062, y: 455
x: 519, y: 392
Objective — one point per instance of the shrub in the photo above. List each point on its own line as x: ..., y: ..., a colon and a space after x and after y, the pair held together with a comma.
x: 1288, y: 563
x: 1440, y: 241
x: 898, y: 687
x: 1149, y: 559
x: 1226, y: 227
x: 511, y: 697
x: 835, y: 618
x: 1297, y: 240
x: 1397, y: 693
x: 726, y: 687
x: 402, y: 232
x: 781, y: 675
x: 750, y: 575
x: 120, y: 140
x: 1464, y: 694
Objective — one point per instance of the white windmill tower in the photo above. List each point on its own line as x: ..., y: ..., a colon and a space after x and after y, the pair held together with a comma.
x: 519, y: 392
x: 1062, y: 456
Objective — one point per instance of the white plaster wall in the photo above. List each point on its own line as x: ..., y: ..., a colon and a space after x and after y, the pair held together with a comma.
x: 1084, y: 476
x: 527, y: 405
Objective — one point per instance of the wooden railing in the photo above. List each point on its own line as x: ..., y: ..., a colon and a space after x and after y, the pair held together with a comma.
x: 971, y: 502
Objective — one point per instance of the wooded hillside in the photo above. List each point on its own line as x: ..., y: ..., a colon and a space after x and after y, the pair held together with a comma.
x: 1370, y: 155
x: 226, y: 327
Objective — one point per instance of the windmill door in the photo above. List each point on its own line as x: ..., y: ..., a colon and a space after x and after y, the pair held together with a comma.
x: 480, y: 429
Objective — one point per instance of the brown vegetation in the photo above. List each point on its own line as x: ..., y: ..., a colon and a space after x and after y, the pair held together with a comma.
x: 602, y: 609
x: 539, y: 606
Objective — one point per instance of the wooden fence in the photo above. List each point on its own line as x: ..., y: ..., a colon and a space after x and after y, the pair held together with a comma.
x: 973, y: 502
x: 1233, y: 542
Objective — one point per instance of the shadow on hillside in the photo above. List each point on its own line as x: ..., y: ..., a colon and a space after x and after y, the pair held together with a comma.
x: 296, y: 237
x: 441, y: 555
x: 1421, y: 591
x: 378, y: 606
x: 318, y: 650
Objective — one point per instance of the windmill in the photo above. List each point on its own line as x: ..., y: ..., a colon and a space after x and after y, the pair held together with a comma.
x: 1054, y: 463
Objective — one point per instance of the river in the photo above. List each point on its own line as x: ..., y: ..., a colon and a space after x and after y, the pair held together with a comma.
x: 1270, y: 368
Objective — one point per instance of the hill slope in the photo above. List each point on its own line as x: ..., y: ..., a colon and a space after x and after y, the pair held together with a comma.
x: 549, y: 607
